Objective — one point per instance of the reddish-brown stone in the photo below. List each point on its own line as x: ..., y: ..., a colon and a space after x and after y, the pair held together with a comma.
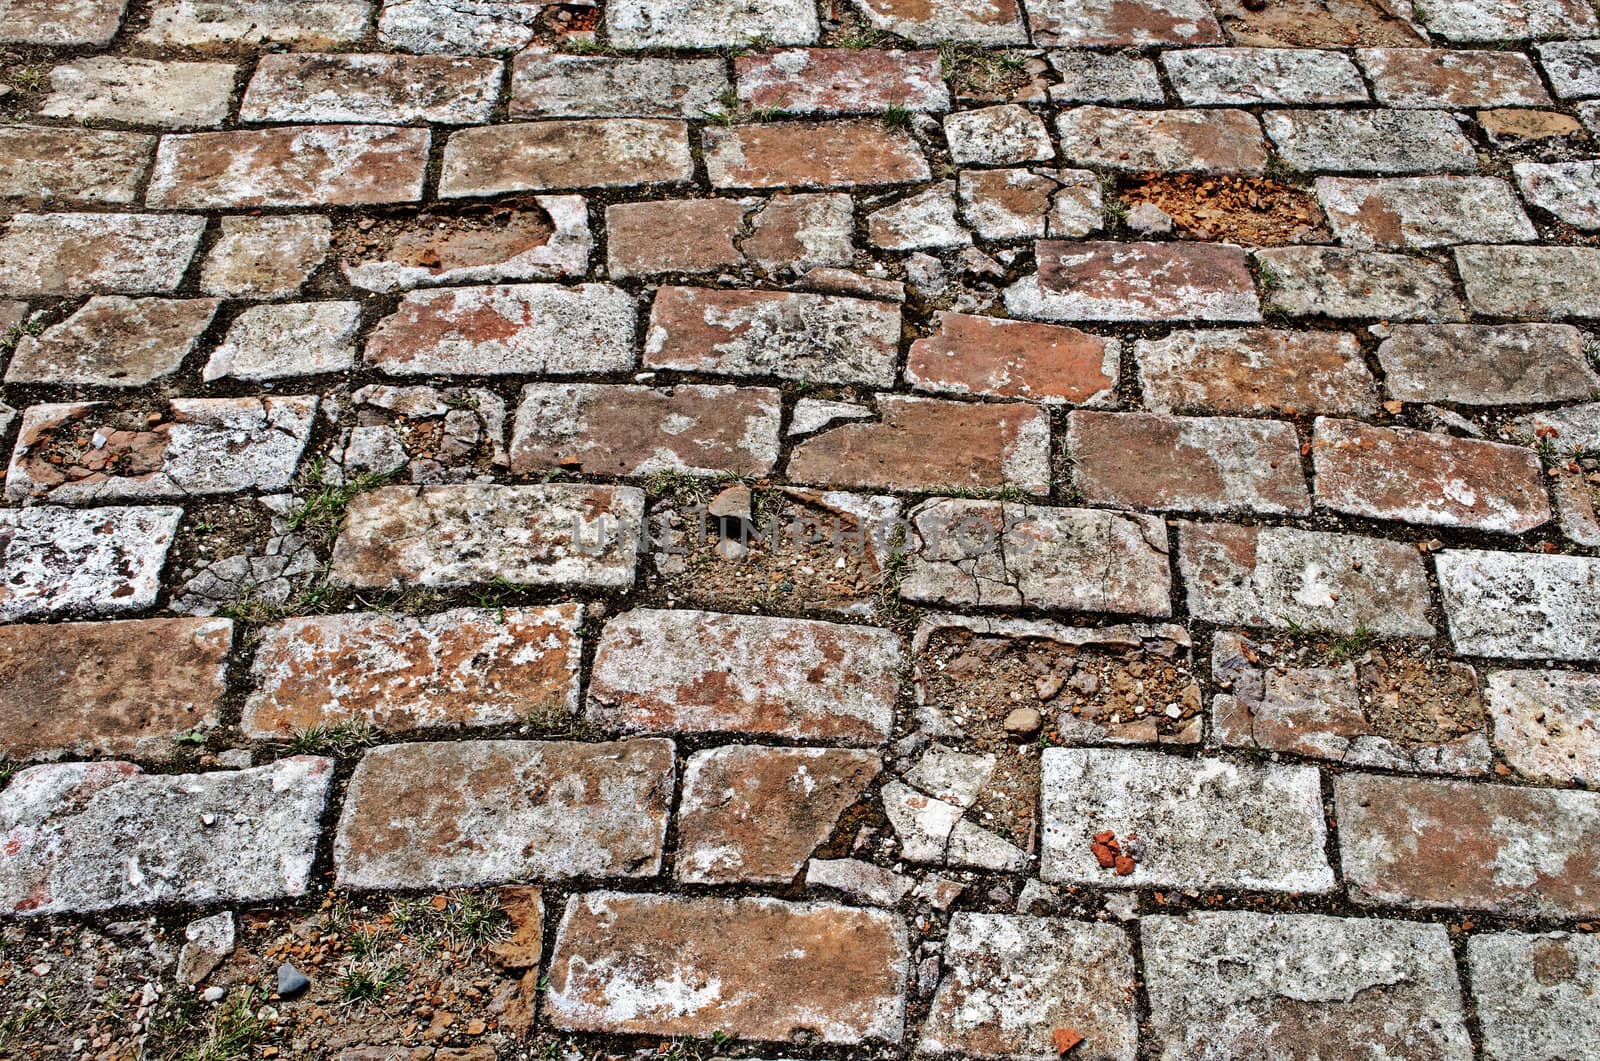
x: 1094, y: 23
x: 841, y: 80
x: 1256, y: 370
x: 811, y: 155
x: 969, y: 354
x: 1421, y: 477
x: 1437, y: 78
x: 755, y: 968
x: 44, y: 164
x: 932, y: 445
x: 1175, y: 141
x: 464, y: 667
x: 312, y: 165
x: 1136, y: 282
x: 119, y: 688
x: 573, y: 153
x: 710, y: 235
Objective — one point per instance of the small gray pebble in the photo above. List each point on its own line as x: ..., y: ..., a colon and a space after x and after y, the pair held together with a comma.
x: 291, y: 981
x: 213, y: 994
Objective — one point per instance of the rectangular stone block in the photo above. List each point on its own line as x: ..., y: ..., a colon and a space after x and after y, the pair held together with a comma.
x: 173, y: 95
x: 66, y: 166
x: 1122, y: 23
x: 837, y: 154
x: 1485, y: 364
x: 553, y: 85
x: 119, y: 688
x: 704, y: 672
x: 1430, y: 844
x: 559, y: 534
x: 971, y: 354
x: 82, y: 254
x: 988, y: 23
x: 86, y: 837
x: 1174, y: 141
x: 1521, y: 605
x: 774, y: 234
x: 244, y: 23
x: 1256, y: 370
x: 1400, y: 212
x: 462, y: 667
x: 114, y: 341
x: 313, y: 165
x: 1437, y: 78
x: 1531, y: 283
x: 1207, y: 77
x: 1205, y: 823
x: 464, y: 813
x: 841, y: 80
x: 59, y: 23
x: 1103, y: 281
x: 756, y: 968
x: 547, y: 156
x: 1535, y: 993
x: 95, y: 561
x: 1547, y: 724
x: 1487, y: 20
x: 709, y: 23
x: 1350, y: 284
x: 1370, y: 141
x: 384, y: 89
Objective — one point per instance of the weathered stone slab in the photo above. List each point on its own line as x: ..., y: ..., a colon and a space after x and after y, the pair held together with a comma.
x: 1531, y: 282
x: 820, y: 338
x: 1487, y: 20
x: 1319, y: 23
x: 1506, y: 364
x: 79, y: 254
x: 1256, y: 370
x: 114, y: 341
x: 1280, y: 577
x: 1136, y: 282
x: 704, y: 672
x: 384, y: 89
x: 546, y: 156
x: 969, y: 354
x: 508, y: 329
x: 1191, y: 463
x: 1422, y: 211
x: 756, y: 814
x: 266, y: 257
x: 1535, y: 993
x: 290, y: 339
x: 1521, y: 605
x: 757, y: 968
x: 932, y: 21
x: 1010, y: 982
x: 1573, y: 67
x: 544, y: 238
x: 1097, y: 23
x: 711, y: 235
x: 1434, y: 78
x: 84, y: 837
x: 1208, y: 77
x: 925, y: 220
x: 119, y: 688
x: 97, y: 561
x: 1004, y: 135
x: 459, y: 27
x: 1008, y: 555
x: 88, y: 451
x: 1370, y: 141
x: 315, y: 165
x: 1570, y: 191
x: 1020, y: 203
x: 826, y: 154
x: 553, y: 85
x: 558, y: 534
x: 480, y: 812
x: 1350, y: 284
x: 243, y: 23
x: 1206, y: 823
x: 1572, y: 427
x: 171, y: 95
x: 65, y: 166
x: 1547, y: 723
x: 58, y: 23
x: 1430, y: 844
x: 1097, y: 77
x: 463, y: 667
x: 1174, y: 141
x: 709, y: 23
x: 1240, y: 984
x: 1515, y: 126
x: 841, y: 80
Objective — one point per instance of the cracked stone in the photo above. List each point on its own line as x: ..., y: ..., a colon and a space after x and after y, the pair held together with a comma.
x: 568, y: 153
x: 114, y: 341
x: 553, y: 85
x: 1568, y: 190
x: 924, y: 221
x: 289, y: 339
x: 547, y: 238
x: 861, y: 882
x: 780, y: 232
x: 1020, y: 203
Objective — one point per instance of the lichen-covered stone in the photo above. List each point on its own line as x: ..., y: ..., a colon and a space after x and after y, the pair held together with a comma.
x: 114, y: 341
x: 95, y: 561
x: 1521, y: 605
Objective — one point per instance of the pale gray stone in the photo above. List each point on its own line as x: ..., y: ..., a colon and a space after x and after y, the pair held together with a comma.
x: 1484, y: 364
x: 1521, y: 605
x: 861, y: 882
x: 1575, y: 427
x: 207, y: 942
x: 172, y: 95
x: 1547, y: 723
x: 1372, y: 141
x: 1222, y: 76
x: 58, y: 23
x: 1536, y: 994
x: 392, y: 89
x: 266, y: 257
x: 96, y: 561
x: 80, y: 254
x: 287, y: 339
x: 1003, y: 135
x: 60, y: 166
x: 709, y: 23
x: 971, y: 21
x: 924, y: 221
x: 1351, y: 284
x: 240, y: 23
x: 1551, y: 283
x: 459, y: 27
x: 1573, y: 67
x: 553, y: 85
x: 814, y: 414
x: 1493, y: 20
x: 1400, y: 212
x: 1096, y: 77
x: 1569, y: 190
x: 114, y: 341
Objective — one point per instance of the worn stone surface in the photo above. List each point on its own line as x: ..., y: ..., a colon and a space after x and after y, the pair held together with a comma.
x: 930, y: 444
x: 822, y: 338
x: 85, y: 837
x: 569, y: 153
x: 464, y: 667
x: 1467, y: 364
x: 923, y: 221
x: 119, y: 688
x: 841, y: 81
x: 1010, y: 981
x: 1421, y: 477
x: 479, y: 812
x: 1531, y: 282
x: 171, y: 95
x: 388, y: 89
x: 545, y: 238
x: 1426, y: 844
x: 1535, y: 993
x: 621, y: 429
x: 703, y: 672
x: 1206, y: 823
x: 1175, y: 141
x: 1095, y: 77
x: 317, y: 165
x: 1432, y: 78
x: 1021, y: 203
x: 831, y: 154
x: 1208, y: 77
x: 1095, y: 23
x: 61, y: 22
x: 1573, y: 67
x: 986, y: 22
x: 1136, y: 282
x: 1241, y: 984
x: 1547, y: 723
x: 97, y: 561
x: 756, y: 814
x: 553, y: 85
x: 1403, y: 212
x: 1068, y: 559
x: 1485, y: 20
x: 65, y: 166
x: 1188, y: 463
x: 265, y: 257
x: 1514, y: 126
x: 291, y: 339
x: 758, y: 968
x: 1004, y: 135
x: 114, y: 341
x: 507, y: 329
x: 1370, y: 141
x: 556, y: 534
x: 81, y: 254
x: 1342, y: 284
x: 968, y: 354
x: 84, y: 451
x: 1280, y: 577
x: 206, y: 24
x: 709, y: 23
x: 1570, y: 191
x: 459, y: 27
x: 1255, y: 370
x: 1521, y: 605
x: 773, y: 234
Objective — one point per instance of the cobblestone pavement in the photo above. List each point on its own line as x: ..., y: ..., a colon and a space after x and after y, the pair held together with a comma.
x: 735, y: 528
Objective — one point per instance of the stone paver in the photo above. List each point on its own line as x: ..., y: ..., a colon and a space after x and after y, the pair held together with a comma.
x: 1507, y: 364
x: 292, y: 339
x: 265, y: 257
x: 296, y: 24
x: 968, y: 354
x: 1573, y: 67
x: 1097, y: 281
x: 1208, y: 77
x: 552, y: 85
x: 1255, y: 370
x: 702, y: 672
x: 1345, y: 284
x: 985, y: 22
x: 1531, y: 283
x: 758, y: 968
x: 1569, y: 191
x: 1547, y: 723
x: 774, y: 234
x: 1093, y: 23
x: 317, y: 165
x: 1422, y: 211
x: 1431, y: 78
x: 836, y: 81
x: 1535, y: 993
x: 835, y: 154
x: 544, y: 237
x: 1484, y: 20
x: 390, y: 89
x: 119, y: 688
x: 81, y: 254
x: 1370, y: 141
x: 171, y: 95
x: 57, y: 23
x: 114, y: 341
x: 85, y: 837
x: 546, y: 156
x: 71, y: 167
x: 1521, y: 605
x: 95, y: 561
x: 709, y: 23
x: 455, y: 27
x: 464, y: 667
x: 1177, y: 141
